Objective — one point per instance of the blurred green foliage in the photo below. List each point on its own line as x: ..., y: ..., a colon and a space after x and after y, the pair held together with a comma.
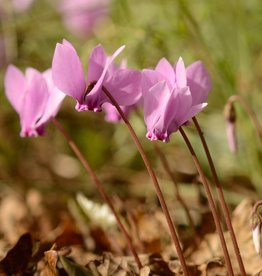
x: 226, y: 35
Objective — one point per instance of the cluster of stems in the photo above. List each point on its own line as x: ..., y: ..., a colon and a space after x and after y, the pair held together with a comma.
x: 160, y: 196
x: 206, y: 186
x: 100, y: 189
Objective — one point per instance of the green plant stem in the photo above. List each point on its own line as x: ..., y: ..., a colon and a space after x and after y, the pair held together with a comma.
x: 177, y: 192
x: 249, y: 111
x: 211, y: 202
x: 100, y: 188
x: 221, y: 198
x: 155, y: 182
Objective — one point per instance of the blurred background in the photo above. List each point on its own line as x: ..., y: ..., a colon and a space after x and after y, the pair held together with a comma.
x: 225, y: 35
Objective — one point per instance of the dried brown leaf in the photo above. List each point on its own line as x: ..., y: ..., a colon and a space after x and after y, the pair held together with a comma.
x: 51, y: 258
x: 145, y: 271
x: 18, y: 257
x: 211, y: 248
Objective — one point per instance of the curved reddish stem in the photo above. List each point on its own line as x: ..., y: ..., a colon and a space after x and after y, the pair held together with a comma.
x: 210, y: 201
x: 155, y: 182
x: 221, y: 197
x: 100, y: 188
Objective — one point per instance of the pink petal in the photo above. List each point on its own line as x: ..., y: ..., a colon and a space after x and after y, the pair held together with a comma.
x: 67, y: 43
x: 195, y: 109
x: 96, y: 64
x: 35, y: 101
x: 125, y: 86
x: 149, y: 79
x: 154, y: 103
x: 177, y: 107
x: 180, y: 70
x: 15, y: 86
x: 199, y: 82
x: 107, y: 64
x: 167, y: 71
x: 54, y: 102
x: 67, y: 72
x: 96, y: 97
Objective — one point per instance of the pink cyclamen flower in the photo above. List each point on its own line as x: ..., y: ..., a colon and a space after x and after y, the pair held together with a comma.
x: 81, y: 16
x: 68, y: 75
x: 34, y: 98
x: 173, y: 95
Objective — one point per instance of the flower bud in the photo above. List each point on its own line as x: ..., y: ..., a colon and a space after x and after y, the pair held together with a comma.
x: 230, y: 117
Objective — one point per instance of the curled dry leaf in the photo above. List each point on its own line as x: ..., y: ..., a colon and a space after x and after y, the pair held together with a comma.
x: 18, y: 258
x: 210, y: 247
x: 145, y: 271
x: 214, y: 266
x: 51, y: 257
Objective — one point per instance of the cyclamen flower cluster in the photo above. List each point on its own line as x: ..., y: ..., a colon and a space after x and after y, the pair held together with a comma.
x: 170, y: 95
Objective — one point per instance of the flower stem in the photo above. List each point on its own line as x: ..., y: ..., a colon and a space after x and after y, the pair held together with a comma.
x: 177, y: 192
x: 222, y: 201
x: 155, y: 182
x: 100, y: 188
x: 249, y: 111
x: 211, y: 202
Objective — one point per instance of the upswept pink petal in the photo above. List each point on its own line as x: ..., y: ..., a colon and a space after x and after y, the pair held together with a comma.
x: 69, y: 44
x: 67, y: 72
x: 149, y: 79
x: 15, y: 85
x: 96, y: 97
x: 107, y: 64
x: 180, y: 71
x: 166, y: 70
x: 34, y: 103
x: 199, y: 82
x: 154, y: 103
x: 195, y: 109
x: 55, y: 99
x: 96, y: 63
x: 125, y: 86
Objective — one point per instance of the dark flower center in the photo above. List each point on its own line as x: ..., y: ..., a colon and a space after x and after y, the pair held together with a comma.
x: 89, y: 88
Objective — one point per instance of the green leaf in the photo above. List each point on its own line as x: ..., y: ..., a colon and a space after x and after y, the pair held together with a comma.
x: 72, y: 268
